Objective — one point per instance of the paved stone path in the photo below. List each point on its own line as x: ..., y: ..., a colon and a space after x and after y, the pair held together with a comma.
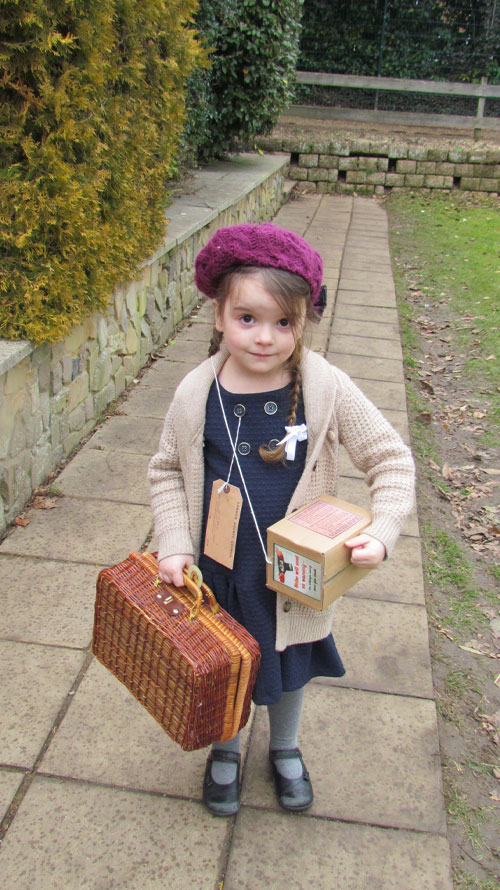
x: 96, y: 794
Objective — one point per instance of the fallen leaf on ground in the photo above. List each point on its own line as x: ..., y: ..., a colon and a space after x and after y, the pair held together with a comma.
x: 22, y: 520
x: 40, y: 503
x: 476, y: 647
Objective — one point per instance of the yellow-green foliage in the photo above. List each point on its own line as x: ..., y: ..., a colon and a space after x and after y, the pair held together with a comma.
x: 91, y: 111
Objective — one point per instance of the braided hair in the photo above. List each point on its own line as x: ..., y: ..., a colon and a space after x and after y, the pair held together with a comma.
x: 293, y: 294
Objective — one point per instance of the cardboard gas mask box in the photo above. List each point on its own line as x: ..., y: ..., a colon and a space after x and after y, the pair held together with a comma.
x: 310, y: 562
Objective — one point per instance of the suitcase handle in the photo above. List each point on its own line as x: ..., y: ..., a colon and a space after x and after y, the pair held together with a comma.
x: 198, y: 589
x: 190, y: 576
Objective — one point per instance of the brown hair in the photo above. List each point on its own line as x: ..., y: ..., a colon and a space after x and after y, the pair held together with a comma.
x: 292, y: 293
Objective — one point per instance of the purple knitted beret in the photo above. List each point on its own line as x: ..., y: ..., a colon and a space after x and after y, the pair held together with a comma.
x: 259, y: 245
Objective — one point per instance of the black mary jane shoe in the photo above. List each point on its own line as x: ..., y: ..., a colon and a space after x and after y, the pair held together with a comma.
x: 293, y: 794
x: 222, y: 800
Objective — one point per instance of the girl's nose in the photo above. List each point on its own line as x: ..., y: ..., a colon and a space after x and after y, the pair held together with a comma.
x: 264, y: 334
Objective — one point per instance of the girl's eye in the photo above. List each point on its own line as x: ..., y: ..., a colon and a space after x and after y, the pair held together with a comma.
x: 284, y: 323
x: 247, y: 319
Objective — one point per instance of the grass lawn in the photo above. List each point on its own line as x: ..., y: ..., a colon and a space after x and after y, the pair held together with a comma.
x: 446, y: 262
x: 456, y: 263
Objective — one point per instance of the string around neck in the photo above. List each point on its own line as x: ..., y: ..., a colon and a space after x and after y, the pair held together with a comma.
x: 235, y: 457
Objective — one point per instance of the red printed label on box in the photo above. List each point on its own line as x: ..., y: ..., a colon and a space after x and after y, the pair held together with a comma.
x: 297, y: 572
x: 325, y: 519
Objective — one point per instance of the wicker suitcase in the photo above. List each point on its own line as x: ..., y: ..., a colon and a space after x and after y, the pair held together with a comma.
x: 190, y: 664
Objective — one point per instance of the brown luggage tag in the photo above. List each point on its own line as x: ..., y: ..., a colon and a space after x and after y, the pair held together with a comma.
x: 222, y: 523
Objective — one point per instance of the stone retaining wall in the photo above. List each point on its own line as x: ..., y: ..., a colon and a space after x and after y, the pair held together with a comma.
x: 51, y: 396
x: 374, y: 166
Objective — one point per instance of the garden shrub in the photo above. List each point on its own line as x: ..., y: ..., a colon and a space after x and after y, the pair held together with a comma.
x: 254, y: 47
x: 92, y: 108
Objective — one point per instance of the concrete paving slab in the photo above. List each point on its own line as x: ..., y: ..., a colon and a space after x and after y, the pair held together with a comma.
x: 300, y: 853
x: 108, y: 737
x: 398, y: 579
x: 127, y: 434
x: 357, y: 745
x: 374, y: 235
x: 362, y: 367
x: 9, y: 783
x: 356, y: 491
x: 345, y: 309
x: 367, y: 346
x: 47, y: 602
x: 368, y: 248
x: 108, y: 475
x: 204, y: 315
x: 318, y: 339
x: 353, y: 328
x: 199, y: 331
x: 330, y: 280
x: 363, y: 262
x: 379, y: 285
x: 188, y: 352
x: 81, y: 836
x: 364, y: 276
x: 150, y: 401
x: 328, y: 242
x: 368, y: 298
x: 365, y: 220
x: 384, y: 394
x: 165, y: 376
x: 394, y: 656
x: 107, y: 532
x: 35, y: 682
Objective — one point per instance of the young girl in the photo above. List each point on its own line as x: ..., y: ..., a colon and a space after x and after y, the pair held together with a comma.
x: 266, y: 415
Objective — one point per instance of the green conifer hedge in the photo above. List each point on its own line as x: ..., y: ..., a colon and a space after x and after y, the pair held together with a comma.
x: 91, y: 111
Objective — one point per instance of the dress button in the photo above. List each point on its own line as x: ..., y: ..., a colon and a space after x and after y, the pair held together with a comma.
x: 287, y: 606
x: 239, y: 410
x: 244, y: 448
x: 273, y: 443
x: 270, y: 407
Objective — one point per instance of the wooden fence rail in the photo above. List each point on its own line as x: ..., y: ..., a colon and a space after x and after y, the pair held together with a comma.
x: 482, y: 91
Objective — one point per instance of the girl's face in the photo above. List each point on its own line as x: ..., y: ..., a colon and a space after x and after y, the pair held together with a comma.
x: 258, y: 336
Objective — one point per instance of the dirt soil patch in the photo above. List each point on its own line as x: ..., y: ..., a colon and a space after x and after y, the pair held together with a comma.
x: 303, y: 128
x: 457, y: 493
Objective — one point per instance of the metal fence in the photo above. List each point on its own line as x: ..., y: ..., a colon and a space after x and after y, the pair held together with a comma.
x: 407, y: 39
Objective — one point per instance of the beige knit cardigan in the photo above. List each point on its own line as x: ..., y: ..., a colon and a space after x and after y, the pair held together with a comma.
x: 336, y: 412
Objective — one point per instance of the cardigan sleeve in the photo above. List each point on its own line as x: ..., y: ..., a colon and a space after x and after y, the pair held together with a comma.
x: 168, y: 496
x: 379, y: 452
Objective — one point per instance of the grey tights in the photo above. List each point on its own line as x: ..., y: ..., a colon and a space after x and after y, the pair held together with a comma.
x: 284, y: 719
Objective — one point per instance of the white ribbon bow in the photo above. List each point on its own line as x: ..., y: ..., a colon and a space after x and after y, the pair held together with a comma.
x: 294, y: 434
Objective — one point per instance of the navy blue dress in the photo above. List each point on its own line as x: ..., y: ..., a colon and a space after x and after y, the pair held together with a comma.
x: 242, y: 591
